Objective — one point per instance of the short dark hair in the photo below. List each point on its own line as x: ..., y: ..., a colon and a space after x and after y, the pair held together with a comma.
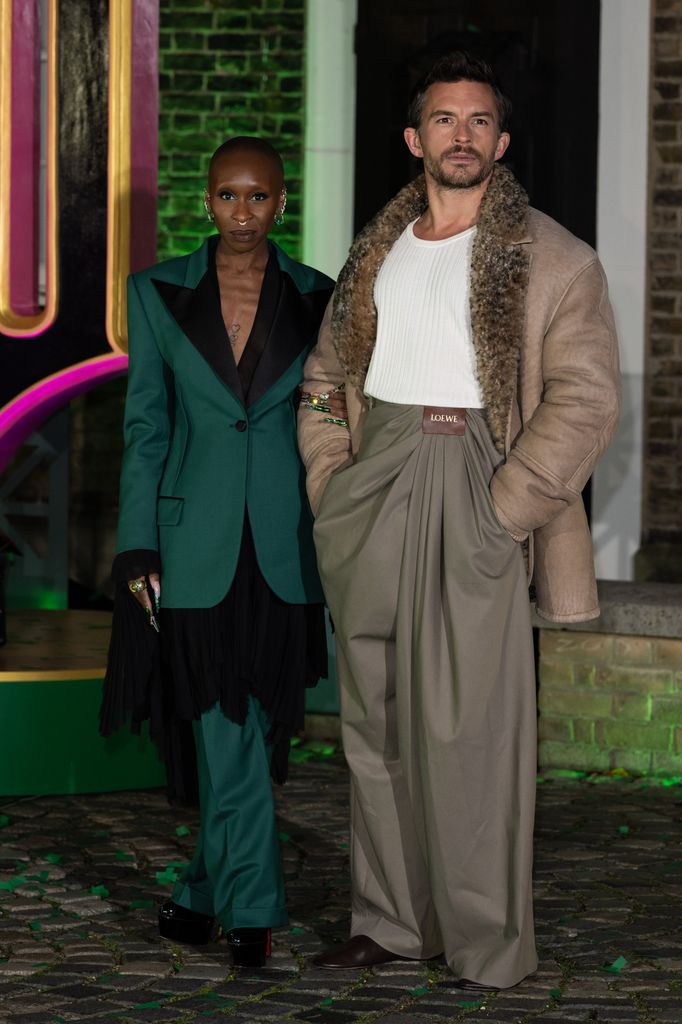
x: 458, y: 66
x: 250, y: 143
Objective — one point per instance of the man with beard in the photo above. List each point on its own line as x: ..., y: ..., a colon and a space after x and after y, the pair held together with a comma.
x: 475, y: 342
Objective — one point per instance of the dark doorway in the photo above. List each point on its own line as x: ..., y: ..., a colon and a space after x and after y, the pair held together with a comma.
x: 546, y: 53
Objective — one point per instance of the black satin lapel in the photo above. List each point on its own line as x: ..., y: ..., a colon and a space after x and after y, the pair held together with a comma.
x: 197, y: 313
x: 294, y: 326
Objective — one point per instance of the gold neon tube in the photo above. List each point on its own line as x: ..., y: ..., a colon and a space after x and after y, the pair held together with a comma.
x: 118, y: 171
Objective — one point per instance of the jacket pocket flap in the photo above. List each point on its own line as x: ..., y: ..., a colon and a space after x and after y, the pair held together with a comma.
x: 169, y: 510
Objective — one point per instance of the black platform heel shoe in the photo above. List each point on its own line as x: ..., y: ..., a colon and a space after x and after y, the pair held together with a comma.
x: 176, y: 922
x: 250, y: 946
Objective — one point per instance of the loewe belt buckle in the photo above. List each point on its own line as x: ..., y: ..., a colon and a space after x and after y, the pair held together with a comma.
x: 443, y: 420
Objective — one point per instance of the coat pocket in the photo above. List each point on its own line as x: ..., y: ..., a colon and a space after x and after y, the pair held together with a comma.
x: 169, y: 510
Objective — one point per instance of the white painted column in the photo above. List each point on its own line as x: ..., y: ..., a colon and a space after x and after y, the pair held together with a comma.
x: 328, y: 182
x: 329, y: 161
x: 621, y: 243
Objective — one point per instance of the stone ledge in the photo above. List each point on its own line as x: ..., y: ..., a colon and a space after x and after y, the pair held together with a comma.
x: 631, y: 609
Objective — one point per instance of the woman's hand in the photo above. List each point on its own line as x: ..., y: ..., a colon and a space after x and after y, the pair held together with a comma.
x: 140, y: 592
x: 337, y: 405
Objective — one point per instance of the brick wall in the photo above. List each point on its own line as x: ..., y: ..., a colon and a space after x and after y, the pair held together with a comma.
x: 226, y: 69
x: 610, y: 701
x: 663, y: 464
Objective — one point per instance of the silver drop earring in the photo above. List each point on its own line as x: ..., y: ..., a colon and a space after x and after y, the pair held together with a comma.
x: 279, y: 216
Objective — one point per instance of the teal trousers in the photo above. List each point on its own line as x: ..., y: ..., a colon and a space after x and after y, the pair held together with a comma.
x: 236, y: 872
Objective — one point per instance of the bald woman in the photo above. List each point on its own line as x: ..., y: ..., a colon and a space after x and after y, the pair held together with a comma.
x: 218, y: 592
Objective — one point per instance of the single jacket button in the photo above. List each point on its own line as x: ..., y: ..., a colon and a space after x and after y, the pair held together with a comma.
x: 240, y: 425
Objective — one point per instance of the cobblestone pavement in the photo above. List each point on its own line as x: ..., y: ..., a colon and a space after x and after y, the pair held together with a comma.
x: 81, y: 876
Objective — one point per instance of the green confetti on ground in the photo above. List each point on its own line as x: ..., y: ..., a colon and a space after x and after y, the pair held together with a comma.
x: 296, y: 931
x: 624, y: 829
x: 421, y: 990
x: 142, y: 904
x: 555, y: 993
x: 617, y: 966
x: 54, y: 858
x: 35, y: 926
x: 300, y: 756
x: 42, y: 876
x: 320, y: 748
x: 312, y: 749
x: 155, y: 1005
x: 13, y: 883
x: 101, y: 834
x: 475, y: 1005
x: 182, y: 830
x: 4, y: 820
x: 326, y: 1002
x: 567, y: 773
x: 124, y: 855
x: 99, y: 890
x: 166, y: 877
x: 176, y: 864
x: 283, y: 837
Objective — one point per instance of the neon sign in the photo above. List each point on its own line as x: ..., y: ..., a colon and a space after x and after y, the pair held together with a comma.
x: 94, y: 204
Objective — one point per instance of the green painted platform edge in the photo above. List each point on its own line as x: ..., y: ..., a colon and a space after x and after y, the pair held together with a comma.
x: 50, y: 744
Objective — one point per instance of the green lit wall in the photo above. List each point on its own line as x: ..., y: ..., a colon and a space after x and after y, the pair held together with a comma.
x: 226, y: 68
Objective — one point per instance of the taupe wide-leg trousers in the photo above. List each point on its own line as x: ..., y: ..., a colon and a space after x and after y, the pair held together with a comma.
x: 434, y: 648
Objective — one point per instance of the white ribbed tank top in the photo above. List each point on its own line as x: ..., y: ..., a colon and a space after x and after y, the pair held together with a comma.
x: 424, y: 353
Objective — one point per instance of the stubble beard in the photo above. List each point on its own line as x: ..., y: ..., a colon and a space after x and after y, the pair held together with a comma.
x: 448, y: 177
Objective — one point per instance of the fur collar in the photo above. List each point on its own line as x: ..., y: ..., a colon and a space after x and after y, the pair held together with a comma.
x: 499, y: 278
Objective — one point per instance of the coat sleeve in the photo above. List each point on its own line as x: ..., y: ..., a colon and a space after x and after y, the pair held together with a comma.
x: 552, y: 458
x: 146, y: 431
x: 324, y: 447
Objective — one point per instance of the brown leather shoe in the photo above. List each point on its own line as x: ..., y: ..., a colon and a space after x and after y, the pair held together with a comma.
x: 360, y: 951
x: 475, y: 986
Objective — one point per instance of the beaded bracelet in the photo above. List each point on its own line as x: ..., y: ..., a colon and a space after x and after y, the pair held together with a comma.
x: 316, y: 402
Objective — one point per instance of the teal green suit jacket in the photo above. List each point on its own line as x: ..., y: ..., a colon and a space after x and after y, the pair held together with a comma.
x: 196, y: 456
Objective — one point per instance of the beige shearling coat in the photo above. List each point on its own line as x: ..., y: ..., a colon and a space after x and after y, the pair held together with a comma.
x: 547, y: 364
